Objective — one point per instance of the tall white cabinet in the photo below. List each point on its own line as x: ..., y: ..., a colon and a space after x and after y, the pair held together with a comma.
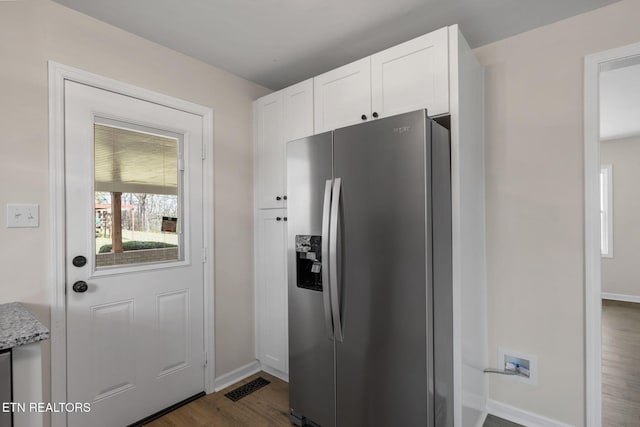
x: 271, y: 294
x: 439, y: 72
x: 278, y: 117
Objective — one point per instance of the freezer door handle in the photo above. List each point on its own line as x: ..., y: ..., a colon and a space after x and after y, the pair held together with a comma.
x: 326, y: 211
x: 333, y: 259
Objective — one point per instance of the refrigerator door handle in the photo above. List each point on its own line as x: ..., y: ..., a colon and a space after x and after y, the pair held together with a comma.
x: 333, y: 259
x: 326, y: 208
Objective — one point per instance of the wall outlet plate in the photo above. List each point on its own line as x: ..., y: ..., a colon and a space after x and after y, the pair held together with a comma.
x: 23, y: 216
x: 528, y: 361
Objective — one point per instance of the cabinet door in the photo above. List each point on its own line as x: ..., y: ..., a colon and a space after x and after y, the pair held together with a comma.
x: 272, y: 326
x: 412, y: 75
x: 298, y: 110
x: 342, y: 96
x: 270, y: 151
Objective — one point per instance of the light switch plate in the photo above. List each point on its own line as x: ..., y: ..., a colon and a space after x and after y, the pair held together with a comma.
x: 23, y: 216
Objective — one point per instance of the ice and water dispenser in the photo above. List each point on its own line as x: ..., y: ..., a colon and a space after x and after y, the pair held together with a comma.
x: 309, y: 262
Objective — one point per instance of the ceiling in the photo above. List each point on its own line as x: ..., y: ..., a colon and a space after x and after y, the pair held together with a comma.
x: 620, y: 99
x: 276, y: 43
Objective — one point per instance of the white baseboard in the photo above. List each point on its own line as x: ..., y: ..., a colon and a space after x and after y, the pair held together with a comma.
x: 224, y: 381
x: 474, y: 403
x: 520, y: 416
x: 482, y: 419
x: 276, y: 373
x: 620, y: 297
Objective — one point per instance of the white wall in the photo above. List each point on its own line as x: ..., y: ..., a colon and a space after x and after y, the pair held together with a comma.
x: 620, y: 274
x: 34, y: 31
x: 535, y: 211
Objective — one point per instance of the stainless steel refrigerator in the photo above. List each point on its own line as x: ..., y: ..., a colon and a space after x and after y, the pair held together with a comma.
x: 369, y: 275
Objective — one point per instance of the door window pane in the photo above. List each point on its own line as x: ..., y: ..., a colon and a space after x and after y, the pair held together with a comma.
x: 137, y: 197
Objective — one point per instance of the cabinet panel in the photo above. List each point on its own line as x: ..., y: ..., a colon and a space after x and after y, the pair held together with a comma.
x: 342, y: 96
x: 412, y: 75
x: 272, y: 290
x: 298, y: 110
x: 270, y: 147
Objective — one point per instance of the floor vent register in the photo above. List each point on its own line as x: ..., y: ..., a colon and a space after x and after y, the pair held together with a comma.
x: 248, y: 388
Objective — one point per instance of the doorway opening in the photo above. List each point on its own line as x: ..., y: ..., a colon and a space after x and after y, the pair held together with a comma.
x: 612, y: 293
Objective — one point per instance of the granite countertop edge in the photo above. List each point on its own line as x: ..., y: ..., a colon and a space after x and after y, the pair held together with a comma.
x: 19, y: 327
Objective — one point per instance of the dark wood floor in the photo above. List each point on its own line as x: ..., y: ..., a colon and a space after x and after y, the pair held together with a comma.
x: 620, y: 364
x: 268, y: 406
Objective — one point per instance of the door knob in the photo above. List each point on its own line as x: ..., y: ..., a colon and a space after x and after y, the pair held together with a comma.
x: 278, y: 198
x: 375, y: 115
x: 278, y: 218
x: 284, y: 197
x: 79, y: 261
x: 80, y: 286
x: 363, y: 117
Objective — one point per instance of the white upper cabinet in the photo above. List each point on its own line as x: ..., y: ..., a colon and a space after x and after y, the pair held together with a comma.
x: 342, y: 97
x: 298, y: 110
x: 412, y: 75
x: 406, y: 77
x: 280, y: 117
x: 270, y: 151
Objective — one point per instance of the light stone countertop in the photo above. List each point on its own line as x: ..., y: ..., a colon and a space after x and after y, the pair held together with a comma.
x: 19, y: 327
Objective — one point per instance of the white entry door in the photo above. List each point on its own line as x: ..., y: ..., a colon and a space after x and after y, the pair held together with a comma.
x: 134, y: 209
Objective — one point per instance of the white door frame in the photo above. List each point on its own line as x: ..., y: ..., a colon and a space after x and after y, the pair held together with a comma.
x: 593, y: 279
x: 58, y: 73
